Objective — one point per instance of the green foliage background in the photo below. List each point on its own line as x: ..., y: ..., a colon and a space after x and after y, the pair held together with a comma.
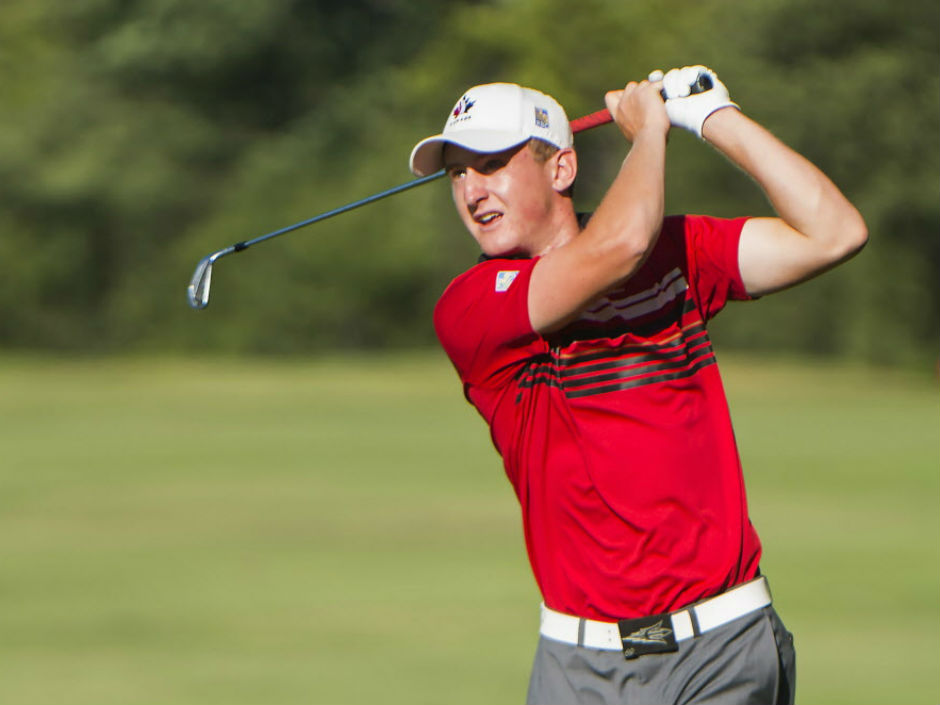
x: 138, y: 135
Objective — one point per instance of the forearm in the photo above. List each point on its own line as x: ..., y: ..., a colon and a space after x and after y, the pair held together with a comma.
x: 612, y: 247
x: 629, y: 217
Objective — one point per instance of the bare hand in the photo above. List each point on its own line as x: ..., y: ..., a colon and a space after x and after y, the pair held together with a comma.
x: 638, y: 107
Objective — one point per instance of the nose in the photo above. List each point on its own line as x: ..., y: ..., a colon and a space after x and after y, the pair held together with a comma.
x: 474, y: 188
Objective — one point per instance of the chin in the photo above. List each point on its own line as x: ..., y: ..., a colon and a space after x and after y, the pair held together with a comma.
x: 500, y: 247
x: 499, y: 252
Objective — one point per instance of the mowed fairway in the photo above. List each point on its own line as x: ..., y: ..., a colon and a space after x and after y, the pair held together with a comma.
x: 339, y: 531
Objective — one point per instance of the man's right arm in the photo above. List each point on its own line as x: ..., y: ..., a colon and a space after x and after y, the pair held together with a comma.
x: 625, y: 225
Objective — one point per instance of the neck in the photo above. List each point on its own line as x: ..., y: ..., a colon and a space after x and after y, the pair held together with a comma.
x: 563, y: 226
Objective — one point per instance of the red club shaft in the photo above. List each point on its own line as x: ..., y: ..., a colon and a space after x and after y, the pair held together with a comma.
x: 601, y: 117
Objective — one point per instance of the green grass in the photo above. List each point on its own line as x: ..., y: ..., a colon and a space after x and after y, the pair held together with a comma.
x: 339, y: 531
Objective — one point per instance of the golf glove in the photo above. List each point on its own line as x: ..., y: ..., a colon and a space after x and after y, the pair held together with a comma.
x: 687, y: 103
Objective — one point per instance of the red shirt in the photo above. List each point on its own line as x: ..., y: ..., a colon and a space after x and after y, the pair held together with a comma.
x: 615, y: 431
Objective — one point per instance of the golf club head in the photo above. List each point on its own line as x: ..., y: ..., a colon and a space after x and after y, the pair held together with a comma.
x: 198, y: 291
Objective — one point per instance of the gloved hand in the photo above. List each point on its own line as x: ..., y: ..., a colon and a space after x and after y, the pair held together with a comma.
x: 689, y: 100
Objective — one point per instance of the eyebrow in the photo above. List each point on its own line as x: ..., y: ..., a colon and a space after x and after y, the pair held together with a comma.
x: 450, y: 163
x: 458, y: 163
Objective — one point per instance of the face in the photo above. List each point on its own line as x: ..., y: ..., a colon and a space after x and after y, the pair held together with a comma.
x: 505, y: 199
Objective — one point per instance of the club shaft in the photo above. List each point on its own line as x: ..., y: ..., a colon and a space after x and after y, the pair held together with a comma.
x: 601, y: 117
x: 239, y: 246
x: 198, y: 291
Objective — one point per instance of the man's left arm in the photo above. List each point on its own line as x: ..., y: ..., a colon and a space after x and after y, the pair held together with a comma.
x: 817, y: 227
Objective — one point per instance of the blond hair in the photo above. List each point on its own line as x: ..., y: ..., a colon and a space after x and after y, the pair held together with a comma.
x: 541, y: 150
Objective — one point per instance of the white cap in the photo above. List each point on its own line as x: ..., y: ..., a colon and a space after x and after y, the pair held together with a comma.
x: 491, y: 118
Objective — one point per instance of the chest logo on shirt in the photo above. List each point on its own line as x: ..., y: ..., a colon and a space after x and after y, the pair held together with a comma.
x: 505, y: 279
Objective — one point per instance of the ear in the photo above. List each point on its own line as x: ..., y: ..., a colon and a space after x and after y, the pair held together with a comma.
x: 564, y: 169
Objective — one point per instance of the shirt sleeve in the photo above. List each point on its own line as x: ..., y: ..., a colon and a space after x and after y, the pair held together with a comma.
x: 712, y: 254
x: 482, y: 322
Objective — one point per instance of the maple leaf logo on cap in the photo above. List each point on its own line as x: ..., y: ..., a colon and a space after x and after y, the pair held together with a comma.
x: 463, y: 106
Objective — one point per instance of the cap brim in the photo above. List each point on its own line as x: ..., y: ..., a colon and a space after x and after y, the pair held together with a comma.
x: 428, y: 155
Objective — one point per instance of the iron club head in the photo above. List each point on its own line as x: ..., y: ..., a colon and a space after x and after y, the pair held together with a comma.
x: 198, y: 291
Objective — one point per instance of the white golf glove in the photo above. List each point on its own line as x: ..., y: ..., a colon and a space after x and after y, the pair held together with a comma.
x: 689, y: 100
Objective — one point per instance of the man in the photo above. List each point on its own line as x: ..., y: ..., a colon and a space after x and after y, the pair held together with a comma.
x: 582, y: 343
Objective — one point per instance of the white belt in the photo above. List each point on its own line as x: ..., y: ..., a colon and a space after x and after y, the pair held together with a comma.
x: 686, y: 623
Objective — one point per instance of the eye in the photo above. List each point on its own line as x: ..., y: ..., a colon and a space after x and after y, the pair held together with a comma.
x: 491, y: 165
x: 456, y: 172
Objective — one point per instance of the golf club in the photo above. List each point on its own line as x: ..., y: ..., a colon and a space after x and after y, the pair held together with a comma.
x: 198, y: 291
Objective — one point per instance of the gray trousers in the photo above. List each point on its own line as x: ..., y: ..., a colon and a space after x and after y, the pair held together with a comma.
x: 748, y: 660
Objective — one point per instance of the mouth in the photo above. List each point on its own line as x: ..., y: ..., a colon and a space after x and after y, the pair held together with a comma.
x: 488, y: 218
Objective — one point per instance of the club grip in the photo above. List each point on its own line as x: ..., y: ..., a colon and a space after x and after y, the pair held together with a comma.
x: 602, y: 117
x: 702, y: 83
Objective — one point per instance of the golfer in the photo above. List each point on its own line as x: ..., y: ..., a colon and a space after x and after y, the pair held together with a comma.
x: 581, y: 340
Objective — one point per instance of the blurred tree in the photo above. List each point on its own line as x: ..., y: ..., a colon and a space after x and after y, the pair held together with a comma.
x: 125, y: 122
x: 138, y: 135
x: 856, y: 82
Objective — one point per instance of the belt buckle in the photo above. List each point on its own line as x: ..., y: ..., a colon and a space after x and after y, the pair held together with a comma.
x: 647, y: 635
